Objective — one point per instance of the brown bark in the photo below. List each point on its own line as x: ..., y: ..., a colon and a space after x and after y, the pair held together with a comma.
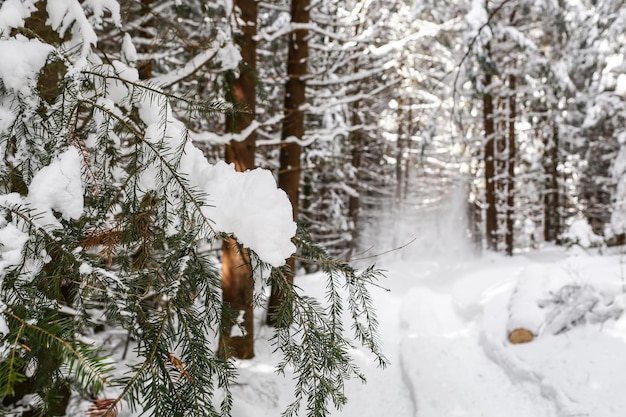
x: 144, y: 68
x: 491, y: 221
x: 408, y: 161
x: 510, y: 197
x: 237, y: 294
x: 354, y: 202
x: 400, y: 151
x: 552, y: 218
x: 237, y: 279
x: 293, y: 127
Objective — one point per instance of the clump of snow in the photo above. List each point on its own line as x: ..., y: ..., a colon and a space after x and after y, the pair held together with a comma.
x: 28, y: 56
x: 59, y: 186
x: 620, y: 87
x: 476, y: 17
x: 100, y: 7
x: 85, y: 269
x: 248, y: 204
x: 129, y: 53
x: 64, y: 15
x: 119, y: 91
x: 12, y: 242
x: 229, y: 56
x: 13, y: 13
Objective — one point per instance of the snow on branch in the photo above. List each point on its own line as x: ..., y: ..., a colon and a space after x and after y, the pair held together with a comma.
x: 228, y: 56
x: 223, y: 138
x: 292, y: 27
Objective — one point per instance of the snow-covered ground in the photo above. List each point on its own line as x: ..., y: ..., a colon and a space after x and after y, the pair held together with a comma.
x: 445, y: 321
x: 444, y: 325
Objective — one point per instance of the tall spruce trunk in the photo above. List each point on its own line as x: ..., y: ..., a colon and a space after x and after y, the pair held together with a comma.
x: 237, y: 279
x: 552, y: 217
x: 491, y: 216
x: 354, y: 201
x: 512, y: 150
x: 293, y: 127
x: 400, y: 151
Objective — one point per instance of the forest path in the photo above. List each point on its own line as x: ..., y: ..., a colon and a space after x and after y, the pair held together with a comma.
x: 441, y: 357
x: 431, y: 322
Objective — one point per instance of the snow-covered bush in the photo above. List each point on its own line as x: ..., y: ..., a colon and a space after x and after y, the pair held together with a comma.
x: 551, y: 300
x: 105, y: 204
x: 581, y: 233
x: 576, y: 304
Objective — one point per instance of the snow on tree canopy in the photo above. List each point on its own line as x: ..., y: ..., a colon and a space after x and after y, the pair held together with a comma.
x: 59, y: 186
x: 12, y: 242
x: 23, y: 59
x: 13, y: 13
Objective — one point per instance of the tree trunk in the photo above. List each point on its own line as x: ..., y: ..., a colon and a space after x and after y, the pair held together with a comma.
x: 147, y: 29
x: 510, y: 197
x: 237, y: 292
x: 293, y: 127
x: 354, y: 202
x: 552, y: 218
x: 399, y: 151
x: 491, y: 220
x: 408, y: 161
x: 237, y: 279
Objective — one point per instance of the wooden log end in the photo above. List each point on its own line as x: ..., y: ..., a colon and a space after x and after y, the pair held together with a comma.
x: 521, y: 335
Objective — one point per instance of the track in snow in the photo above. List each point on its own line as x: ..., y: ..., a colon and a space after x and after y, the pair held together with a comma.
x: 447, y: 369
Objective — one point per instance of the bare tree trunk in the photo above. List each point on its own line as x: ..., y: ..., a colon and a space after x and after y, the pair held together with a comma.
x: 501, y: 144
x: 510, y: 197
x: 237, y: 279
x: 399, y: 151
x: 409, y: 145
x: 491, y: 221
x: 293, y: 128
x: 145, y: 29
x: 354, y: 202
x: 552, y: 218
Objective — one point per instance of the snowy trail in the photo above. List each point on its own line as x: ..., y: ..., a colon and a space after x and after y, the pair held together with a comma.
x: 448, y: 369
x: 437, y: 354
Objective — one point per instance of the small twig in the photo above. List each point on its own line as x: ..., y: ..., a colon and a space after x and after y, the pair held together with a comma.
x: 126, y: 344
x: 346, y: 260
x: 470, y: 47
x: 385, y: 252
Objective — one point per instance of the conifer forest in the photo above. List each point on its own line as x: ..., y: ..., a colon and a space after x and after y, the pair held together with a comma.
x: 250, y: 207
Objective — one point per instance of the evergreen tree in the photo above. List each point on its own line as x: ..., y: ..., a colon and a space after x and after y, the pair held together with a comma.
x: 106, y: 206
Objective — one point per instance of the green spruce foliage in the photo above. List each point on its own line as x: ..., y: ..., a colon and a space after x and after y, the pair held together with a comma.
x: 127, y: 256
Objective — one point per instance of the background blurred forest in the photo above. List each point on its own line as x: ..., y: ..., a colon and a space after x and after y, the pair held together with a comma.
x: 522, y: 102
x: 113, y: 222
